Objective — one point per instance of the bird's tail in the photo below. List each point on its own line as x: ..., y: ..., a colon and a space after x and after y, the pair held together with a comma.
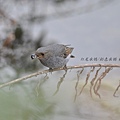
x: 72, y: 56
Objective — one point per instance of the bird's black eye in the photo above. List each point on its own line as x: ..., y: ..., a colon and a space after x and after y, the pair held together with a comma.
x: 42, y: 54
x: 64, y: 55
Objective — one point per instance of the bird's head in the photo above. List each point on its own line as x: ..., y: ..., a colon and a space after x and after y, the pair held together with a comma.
x: 40, y: 55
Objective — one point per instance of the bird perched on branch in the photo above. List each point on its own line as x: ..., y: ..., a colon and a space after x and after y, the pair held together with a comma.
x: 54, y: 56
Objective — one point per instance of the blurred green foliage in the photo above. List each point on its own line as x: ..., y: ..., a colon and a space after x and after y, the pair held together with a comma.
x: 23, y: 104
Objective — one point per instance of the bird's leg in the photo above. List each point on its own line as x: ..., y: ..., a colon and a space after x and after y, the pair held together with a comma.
x: 65, y: 68
x: 50, y: 70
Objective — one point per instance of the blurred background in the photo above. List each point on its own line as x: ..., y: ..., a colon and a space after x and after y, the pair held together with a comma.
x: 92, y: 27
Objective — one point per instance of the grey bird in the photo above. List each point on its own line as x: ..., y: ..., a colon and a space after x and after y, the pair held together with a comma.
x: 53, y: 56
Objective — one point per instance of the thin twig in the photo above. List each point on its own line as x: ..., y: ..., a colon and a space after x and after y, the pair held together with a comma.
x: 93, y: 80
x: 78, y: 78
x: 98, y: 81
x: 88, y: 75
x: 116, y: 90
x: 40, y: 82
x: 60, y: 82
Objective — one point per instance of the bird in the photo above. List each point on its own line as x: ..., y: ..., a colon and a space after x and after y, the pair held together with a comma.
x: 54, y: 55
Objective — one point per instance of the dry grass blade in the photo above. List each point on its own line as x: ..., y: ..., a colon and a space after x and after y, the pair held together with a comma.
x: 98, y: 81
x: 116, y: 90
x: 76, y: 85
x: 92, y: 81
x: 59, y: 83
x: 86, y: 81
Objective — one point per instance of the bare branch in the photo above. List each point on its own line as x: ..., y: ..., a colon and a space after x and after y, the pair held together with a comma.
x: 98, y: 81
x: 78, y: 78
x: 47, y: 71
x: 92, y: 81
x: 116, y: 90
x: 88, y: 75
x: 59, y: 83
x: 40, y: 82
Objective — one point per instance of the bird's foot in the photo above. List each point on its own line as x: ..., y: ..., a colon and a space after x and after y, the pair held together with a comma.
x: 50, y: 70
x: 65, y: 68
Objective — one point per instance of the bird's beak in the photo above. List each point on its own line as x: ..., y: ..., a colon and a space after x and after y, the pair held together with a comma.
x: 33, y: 56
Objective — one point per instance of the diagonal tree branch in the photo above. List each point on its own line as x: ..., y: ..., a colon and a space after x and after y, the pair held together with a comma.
x: 47, y: 71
